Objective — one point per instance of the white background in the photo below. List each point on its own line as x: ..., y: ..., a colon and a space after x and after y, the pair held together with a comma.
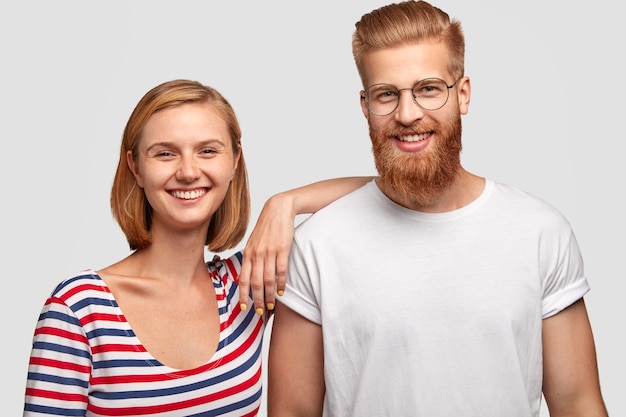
x: 546, y: 115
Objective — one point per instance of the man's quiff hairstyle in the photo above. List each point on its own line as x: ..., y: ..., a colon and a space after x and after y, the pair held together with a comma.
x: 129, y: 205
x: 404, y: 23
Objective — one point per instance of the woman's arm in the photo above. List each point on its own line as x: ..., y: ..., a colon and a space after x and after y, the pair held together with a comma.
x: 264, y: 266
x: 59, y: 368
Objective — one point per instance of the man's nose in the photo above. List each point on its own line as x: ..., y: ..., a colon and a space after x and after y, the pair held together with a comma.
x: 408, y: 110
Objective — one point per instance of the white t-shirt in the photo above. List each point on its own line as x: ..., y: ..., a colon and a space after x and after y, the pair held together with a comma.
x: 434, y: 314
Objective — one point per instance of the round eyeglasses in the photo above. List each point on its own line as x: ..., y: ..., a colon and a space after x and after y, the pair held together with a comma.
x: 430, y: 94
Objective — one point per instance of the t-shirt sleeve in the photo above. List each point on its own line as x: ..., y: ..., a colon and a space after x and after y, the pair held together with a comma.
x: 302, y: 289
x: 565, y: 280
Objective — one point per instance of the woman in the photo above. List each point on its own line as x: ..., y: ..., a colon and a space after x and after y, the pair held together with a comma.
x: 162, y: 332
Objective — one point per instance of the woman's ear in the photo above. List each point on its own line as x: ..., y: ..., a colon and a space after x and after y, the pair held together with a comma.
x: 238, y: 153
x: 133, y: 168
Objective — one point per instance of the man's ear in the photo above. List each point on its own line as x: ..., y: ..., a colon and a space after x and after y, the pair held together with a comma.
x: 133, y: 168
x: 364, y: 108
x: 464, y: 90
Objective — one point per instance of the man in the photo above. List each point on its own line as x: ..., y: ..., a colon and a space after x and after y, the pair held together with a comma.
x: 430, y: 291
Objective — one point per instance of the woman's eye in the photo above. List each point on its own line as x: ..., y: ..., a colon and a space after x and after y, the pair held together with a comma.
x: 164, y: 154
x: 208, y: 151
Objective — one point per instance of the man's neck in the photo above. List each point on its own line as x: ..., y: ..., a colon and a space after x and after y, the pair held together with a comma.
x: 466, y: 188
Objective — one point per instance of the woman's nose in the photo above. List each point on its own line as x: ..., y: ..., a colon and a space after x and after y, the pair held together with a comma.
x: 188, y: 169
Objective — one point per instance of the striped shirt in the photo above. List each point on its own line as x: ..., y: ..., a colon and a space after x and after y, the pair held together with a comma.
x: 87, y: 361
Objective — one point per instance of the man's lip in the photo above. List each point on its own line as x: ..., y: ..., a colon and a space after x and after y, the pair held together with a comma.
x: 413, y: 137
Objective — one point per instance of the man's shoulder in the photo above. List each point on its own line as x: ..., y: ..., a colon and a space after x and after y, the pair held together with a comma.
x: 525, y: 204
x: 346, y: 210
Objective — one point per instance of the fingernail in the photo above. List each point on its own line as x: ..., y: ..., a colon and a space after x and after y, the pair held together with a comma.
x: 243, y: 307
x: 270, y: 306
x: 259, y: 311
x: 280, y: 293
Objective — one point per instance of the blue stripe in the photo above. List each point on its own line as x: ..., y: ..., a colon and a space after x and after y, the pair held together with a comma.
x: 55, y: 347
x: 67, y: 412
x: 110, y: 332
x: 37, y: 376
x: 91, y: 301
x: 56, y: 315
x: 129, y: 363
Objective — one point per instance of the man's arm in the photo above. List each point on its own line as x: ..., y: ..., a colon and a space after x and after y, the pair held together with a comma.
x: 571, y: 384
x: 296, y: 366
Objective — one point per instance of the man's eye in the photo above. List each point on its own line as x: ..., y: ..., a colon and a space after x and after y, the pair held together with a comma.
x: 386, y: 95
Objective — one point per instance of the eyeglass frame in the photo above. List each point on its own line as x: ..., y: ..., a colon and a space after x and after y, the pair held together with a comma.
x: 448, y: 87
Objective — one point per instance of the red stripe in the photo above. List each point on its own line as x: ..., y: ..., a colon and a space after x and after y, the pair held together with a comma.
x: 232, y: 271
x: 71, y: 291
x: 114, y: 347
x: 181, y: 405
x: 90, y: 318
x: 56, y: 395
x: 54, y: 331
x: 59, y: 364
x: 231, y: 318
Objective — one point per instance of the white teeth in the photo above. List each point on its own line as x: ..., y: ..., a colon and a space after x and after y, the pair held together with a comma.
x: 414, y: 138
x: 188, y: 195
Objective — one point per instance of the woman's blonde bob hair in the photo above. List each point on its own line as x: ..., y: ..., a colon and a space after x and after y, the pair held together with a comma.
x: 129, y: 205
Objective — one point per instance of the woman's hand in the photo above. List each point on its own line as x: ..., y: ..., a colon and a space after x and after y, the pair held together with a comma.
x: 265, y: 256
x: 264, y: 264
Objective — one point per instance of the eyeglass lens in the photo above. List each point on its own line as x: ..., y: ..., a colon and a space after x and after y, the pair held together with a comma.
x: 429, y: 94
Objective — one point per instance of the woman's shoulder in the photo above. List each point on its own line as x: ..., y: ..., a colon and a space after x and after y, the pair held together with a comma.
x: 80, y: 285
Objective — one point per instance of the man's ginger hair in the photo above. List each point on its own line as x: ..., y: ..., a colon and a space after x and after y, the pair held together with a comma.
x: 405, y: 23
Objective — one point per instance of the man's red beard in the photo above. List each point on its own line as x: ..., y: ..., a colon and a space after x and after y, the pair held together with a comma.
x: 418, y: 178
